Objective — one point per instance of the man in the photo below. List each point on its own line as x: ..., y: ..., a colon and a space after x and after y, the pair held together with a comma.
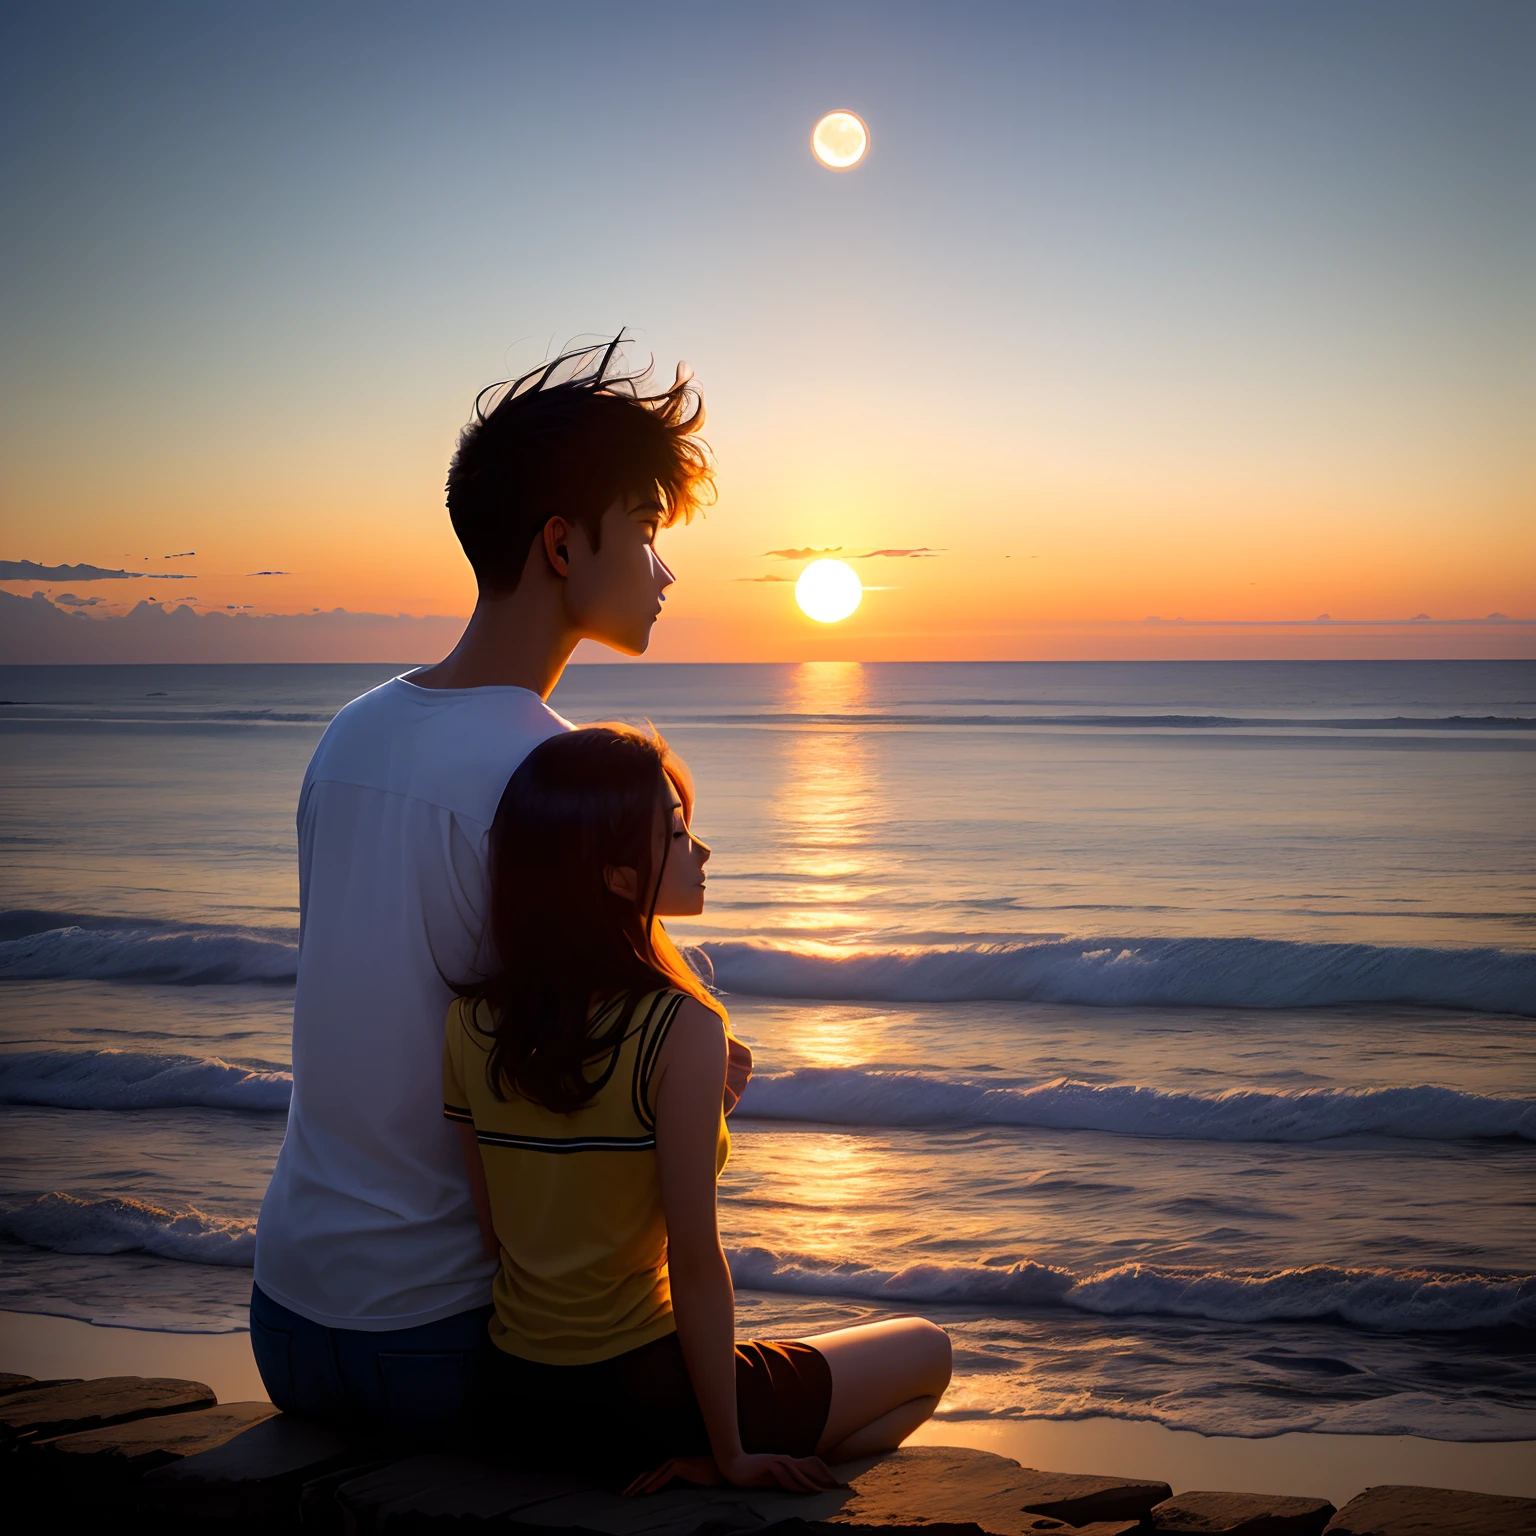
x: 372, y: 1286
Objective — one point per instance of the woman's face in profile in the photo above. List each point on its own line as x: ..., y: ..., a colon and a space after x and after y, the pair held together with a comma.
x: 681, y: 893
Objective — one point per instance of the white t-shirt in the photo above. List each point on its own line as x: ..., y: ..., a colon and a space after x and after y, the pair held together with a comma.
x: 368, y: 1222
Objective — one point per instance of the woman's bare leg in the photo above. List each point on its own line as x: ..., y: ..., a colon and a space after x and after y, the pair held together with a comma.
x: 887, y: 1378
x: 885, y: 1433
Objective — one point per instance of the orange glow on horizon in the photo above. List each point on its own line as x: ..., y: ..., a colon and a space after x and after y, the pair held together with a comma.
x: 1034, y: 558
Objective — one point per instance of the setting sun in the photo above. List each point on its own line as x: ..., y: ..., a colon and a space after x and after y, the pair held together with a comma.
x: 828, y: 590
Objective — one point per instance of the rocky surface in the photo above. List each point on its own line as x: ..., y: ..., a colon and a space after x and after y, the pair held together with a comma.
x: 431, y: 1488
x: 125, y: 1451
x: 1241, y: 1514
x: 932, y: 1488
x: 1394, y: 1509
x: 260, y: 1474
x: 9, y: 1384
x: 39, y: 1412
x: 947, y: 1485
x: 157, y: 1455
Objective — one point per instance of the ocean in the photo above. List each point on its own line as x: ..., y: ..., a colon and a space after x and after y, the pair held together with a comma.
x: 1165, y: 1031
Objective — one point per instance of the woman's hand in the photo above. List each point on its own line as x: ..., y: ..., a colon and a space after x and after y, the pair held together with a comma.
x: 691, y: 1469
x: 799, y: 1474
x: 738, y: 1070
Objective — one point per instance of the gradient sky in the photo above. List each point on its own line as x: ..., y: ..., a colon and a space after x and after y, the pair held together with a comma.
x: 1216, y: 311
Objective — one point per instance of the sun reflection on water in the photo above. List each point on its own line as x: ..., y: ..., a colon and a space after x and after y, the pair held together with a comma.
x: 818, y: 1193
x: 832, y: 1035
x: 828, y: 798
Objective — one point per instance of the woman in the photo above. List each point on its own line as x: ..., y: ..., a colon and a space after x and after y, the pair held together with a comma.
x: 588, y: 1078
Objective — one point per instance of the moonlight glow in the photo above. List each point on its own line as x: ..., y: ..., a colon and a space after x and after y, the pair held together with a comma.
x: 839, y: 140
x: 828, y: 591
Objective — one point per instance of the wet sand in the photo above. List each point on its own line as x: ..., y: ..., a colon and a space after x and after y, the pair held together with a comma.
x: 49, y: 1347
x: 1334, y: 1467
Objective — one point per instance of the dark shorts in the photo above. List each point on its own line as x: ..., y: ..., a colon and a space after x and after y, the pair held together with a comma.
x: 632, y: 1412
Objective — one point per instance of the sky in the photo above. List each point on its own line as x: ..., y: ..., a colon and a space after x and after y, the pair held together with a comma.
x: 1221, y: 313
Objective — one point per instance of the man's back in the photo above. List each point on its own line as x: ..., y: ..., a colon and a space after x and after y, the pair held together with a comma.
x: 368, y: 1223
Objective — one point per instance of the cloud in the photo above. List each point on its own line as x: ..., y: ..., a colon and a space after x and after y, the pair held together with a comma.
x: 269, y: 573
x: 923, y: 552
x: 1326, y: 621
x: 30, y: 570
x: 69, y: 600
x: 35, y: 630
x: 182, y: 556
x: 789, y: 579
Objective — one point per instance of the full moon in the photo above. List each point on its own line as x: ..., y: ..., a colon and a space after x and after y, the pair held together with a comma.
x: 828, y: 591
x: 839, y: 140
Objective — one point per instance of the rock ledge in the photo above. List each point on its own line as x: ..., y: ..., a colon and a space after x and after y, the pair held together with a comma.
x: 159, y: 1455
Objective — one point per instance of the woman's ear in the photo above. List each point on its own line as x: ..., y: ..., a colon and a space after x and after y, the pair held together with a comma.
x: 622, y: 881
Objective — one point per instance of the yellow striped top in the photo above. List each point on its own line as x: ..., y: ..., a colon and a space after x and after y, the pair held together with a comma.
x: 575, y: 1198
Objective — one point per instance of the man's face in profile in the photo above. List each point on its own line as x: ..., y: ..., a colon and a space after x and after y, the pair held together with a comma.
x: 614, y: 594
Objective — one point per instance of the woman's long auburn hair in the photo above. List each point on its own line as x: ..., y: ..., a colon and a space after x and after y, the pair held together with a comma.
x: 571, y: 957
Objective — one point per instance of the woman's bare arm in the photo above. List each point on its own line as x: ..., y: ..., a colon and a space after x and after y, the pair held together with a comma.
x: 689, y: 1084
x: 689, y: 1087
x: 479, y: 1189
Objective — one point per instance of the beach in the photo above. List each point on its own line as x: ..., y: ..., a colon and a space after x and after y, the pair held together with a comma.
x: 1161, y: 1030
x: 1334, y: 1467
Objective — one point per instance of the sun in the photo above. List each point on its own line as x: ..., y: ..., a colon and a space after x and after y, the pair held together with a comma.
x: 828, y: 590
x: 840, y: 140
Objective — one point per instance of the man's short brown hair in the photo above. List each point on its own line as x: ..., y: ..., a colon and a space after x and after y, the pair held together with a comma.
x: 568, y: 439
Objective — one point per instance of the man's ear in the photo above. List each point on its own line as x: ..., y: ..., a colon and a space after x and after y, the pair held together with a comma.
x: 557, y: 545
x: 622, y: 881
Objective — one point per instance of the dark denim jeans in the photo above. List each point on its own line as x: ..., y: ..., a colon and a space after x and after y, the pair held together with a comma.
x: 411, y: 1381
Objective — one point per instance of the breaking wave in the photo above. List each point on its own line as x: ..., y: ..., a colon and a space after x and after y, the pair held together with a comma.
x: 1191, y: 973
x: 119, y: 1080
x: 138, y: 1080
x: 1389, y: 1300
x: 114, y: 950
x: 854, y: 1096
x: 1093, y: 972
x: 68, y: 1224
